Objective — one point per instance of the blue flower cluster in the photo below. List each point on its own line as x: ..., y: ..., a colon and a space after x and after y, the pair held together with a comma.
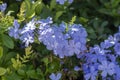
x: 63, y: 39
x: 3, y: 7
x: 26, y: 34
x: 63, y: 1
x: 69, y: 39
x: 102, y: 60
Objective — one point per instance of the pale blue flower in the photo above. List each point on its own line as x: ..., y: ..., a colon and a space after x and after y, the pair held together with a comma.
x: 3, y: 7
x: 61, y: 1
x: 117, y: 48
x: 44, y: 22
x: 91, y: 74
x: 55, y: 76
x: 27, y: 38
x: 29, y: 27
x: 74, y: 47
x: 107, y: 68
x: 76, y: 68
x: 14, y: 31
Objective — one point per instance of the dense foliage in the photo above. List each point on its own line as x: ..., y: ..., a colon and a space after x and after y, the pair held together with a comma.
x: 59, y: 40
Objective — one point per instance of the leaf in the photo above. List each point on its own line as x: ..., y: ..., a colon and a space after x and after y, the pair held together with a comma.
x: 83, y: 20
x: 52, y: 4
x: 73, y: 20
x: 7, y: 41
x: 32, y: 74
x: 1, y: 51
x: 38, y: 8
x: 58, y: 14
x: 104, y: 24
x: 45, y: 60
x: 21, y: 72
x: 28, y: 8
x: 28, y: 51
x: 2, y: 71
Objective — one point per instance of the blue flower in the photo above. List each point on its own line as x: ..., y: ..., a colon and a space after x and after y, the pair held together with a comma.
x: 107, y: 68
x: 76, y: 68
x: 55, y: 76
x: 117, y: 36
x: 91, y: 74
x: 117, y: 75
x: 29, y: 27
x: 74, y: 47
x: 117, y: 48
x: 3, y: 7
x: 70, y: 1
x: 112, y: 40
x: 14, y: 31
x: 61, y: 1
x: 44, y: 22
x: 27, y: 38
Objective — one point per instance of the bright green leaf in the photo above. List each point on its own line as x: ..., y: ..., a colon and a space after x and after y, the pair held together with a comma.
x: 73, y: 20
x: 2, y: 71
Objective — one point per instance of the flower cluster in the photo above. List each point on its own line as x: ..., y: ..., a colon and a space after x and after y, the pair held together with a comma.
x: 67, y: 40
x: 102, y: 59
x: 26, y: 34
x: 63, y: 39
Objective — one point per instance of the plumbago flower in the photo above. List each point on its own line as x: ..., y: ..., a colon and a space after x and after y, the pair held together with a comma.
x: 14, y: 31
x: 26, y: 34
x: 104, y: 58
x: 63, y: 42
x: 3, y: 7
x: 117, y: 48
x: 91, y: 74
x: 76, y: 68
x: 107, y: 68
x: 55, y: 76
x: 63, y: 1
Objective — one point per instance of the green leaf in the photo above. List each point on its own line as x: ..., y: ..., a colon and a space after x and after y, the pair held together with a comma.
x: 1, y: 51
x: 58, y: 14
x: 83, y: 20
x: 73, y: 20
x: 45, y: 60
x: 2, y: 71
x: 38, y: 8
x: 7, y: 41
x: 104, y: 24
x: 52, y: 4
x: 21, y: 72
x: 32, y: 74
x: 28, y: 8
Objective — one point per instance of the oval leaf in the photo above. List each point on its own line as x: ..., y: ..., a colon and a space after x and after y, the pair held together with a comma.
x: 2, y: 71
x: 1, y: 51
x: 7, y: 41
